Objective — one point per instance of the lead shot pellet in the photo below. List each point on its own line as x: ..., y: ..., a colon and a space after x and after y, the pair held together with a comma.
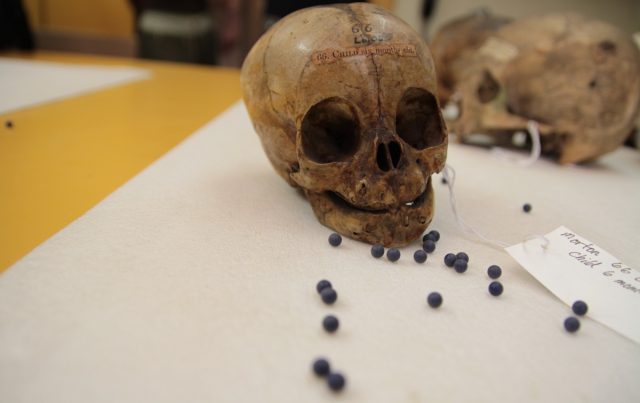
x: 463, y: 256
x: 526, y: 207
x: 420, y: 256
x: 336, y: 381
x: 495, y: 288
x: 328, y: 295
x: 429, y: 246
x: 572, y: 324
x: 435, y: 234
x: 460, y: 265
x: 494, y: 271
x: 335, y: 239
x: 322, y: 284
x: 580, y: 308
x: 449, y: 259
x: 377, y: 251
x: 321, y: 367
x: 393, y: 254
x: 434, y: 299
x: 330, y: 323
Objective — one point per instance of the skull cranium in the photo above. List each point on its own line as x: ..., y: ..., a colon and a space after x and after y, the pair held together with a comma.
x: 343, y: 99
x: 578, y: 78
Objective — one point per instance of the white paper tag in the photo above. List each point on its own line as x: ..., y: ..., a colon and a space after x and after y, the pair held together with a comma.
x: 574, y: 268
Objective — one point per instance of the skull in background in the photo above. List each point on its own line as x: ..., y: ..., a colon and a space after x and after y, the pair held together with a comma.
x: 343, y: 100
x: 462, y: 35
x: 578, y: 78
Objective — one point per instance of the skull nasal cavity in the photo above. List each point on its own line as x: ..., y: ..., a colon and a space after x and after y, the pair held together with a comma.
x: 418, y: 119
x: 388, y: 155
x: 330, y: 131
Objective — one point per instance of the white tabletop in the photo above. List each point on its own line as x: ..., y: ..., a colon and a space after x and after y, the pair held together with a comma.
x: 195, y: 282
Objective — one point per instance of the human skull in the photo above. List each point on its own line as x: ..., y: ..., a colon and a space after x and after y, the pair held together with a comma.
x: 342, y: 98
x: 453, y: 40
x: 578, y: 78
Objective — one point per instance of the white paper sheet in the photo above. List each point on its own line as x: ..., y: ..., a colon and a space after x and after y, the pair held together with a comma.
x: 195, y: 282
x: 25, y: 83
x: 574, y: 268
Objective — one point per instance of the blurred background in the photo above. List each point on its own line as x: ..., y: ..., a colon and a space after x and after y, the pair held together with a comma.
x: 221, y: 31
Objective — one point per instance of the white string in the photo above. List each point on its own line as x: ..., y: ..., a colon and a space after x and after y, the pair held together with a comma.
x: 450, y: 177
x: 536, y: 147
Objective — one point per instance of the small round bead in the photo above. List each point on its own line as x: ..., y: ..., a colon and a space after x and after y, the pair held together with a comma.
x: 526, y: 207
x: 495, y: 288
x: 328, y: 295
x: 429, y: 237
x: 8, y: 124
x: 435, y: 234
x: 335, y: 239
x: 449, y: 259
x: 377, y: 251
x: 393, y: 254
x: 321, y: 367
x: 460, y: 265
x: 572, y: 324
x: 463, y: 256
x: 322, y: 284
x: 429, y: 246
x: 580, y: 308
x: 336, y: 381
x: 444, y: 181
x: 494, y: 271
x: 330, y: 323
x: 434, y: 299
x: 420, y: 256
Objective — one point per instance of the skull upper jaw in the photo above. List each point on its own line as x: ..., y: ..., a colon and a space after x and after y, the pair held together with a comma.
x: 396, y: 226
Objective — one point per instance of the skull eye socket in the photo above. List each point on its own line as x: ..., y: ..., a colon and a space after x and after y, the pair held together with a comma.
x: 418, y: 120
x: 488, y: 88
x: 330, y: 131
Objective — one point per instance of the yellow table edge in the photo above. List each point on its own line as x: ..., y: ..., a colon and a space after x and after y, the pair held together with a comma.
x: 61, y: 158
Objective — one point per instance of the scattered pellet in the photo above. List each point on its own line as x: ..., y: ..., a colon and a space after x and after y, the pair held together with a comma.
x: 434, y: 299
x: 393, y: 254
x: 330, y: 323
x: 494, y: 271
x: 335, y: 239
x: 495, y: 288
x: 377, y: 251
x: 328, y: 295
x: 420, y: 256
x: 322, y: 284
x: 321, y: 367
x: 572, y: 324
x: 580, y: 308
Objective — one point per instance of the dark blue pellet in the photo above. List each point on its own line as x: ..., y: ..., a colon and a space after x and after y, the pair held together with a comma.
x: 330, y: 323
x: 322, y: 284
x: 572, y: 324
x: 429, y: 237
x: 435, y: 234
x: 449, y: 259
x: 335, y: 239
x: 321, y: 367
x: 393, y: 254
x: 580, y: 308
x: 420, y: 256
x: 377, y: 251
x: 526, y: 207
x: 494, y: 271
x: 463, y: 256
x: 495, y: 288
x: 434, y: 299
x: 336, y: 381
x: 429, y: 246
x: 328, y: 295
x: 460, y: 265
x: 444, y: 181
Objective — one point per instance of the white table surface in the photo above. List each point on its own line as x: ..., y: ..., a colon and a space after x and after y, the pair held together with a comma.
x: 195, y: 282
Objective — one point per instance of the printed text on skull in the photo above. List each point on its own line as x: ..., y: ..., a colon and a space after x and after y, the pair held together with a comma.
x: 327, y: 56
